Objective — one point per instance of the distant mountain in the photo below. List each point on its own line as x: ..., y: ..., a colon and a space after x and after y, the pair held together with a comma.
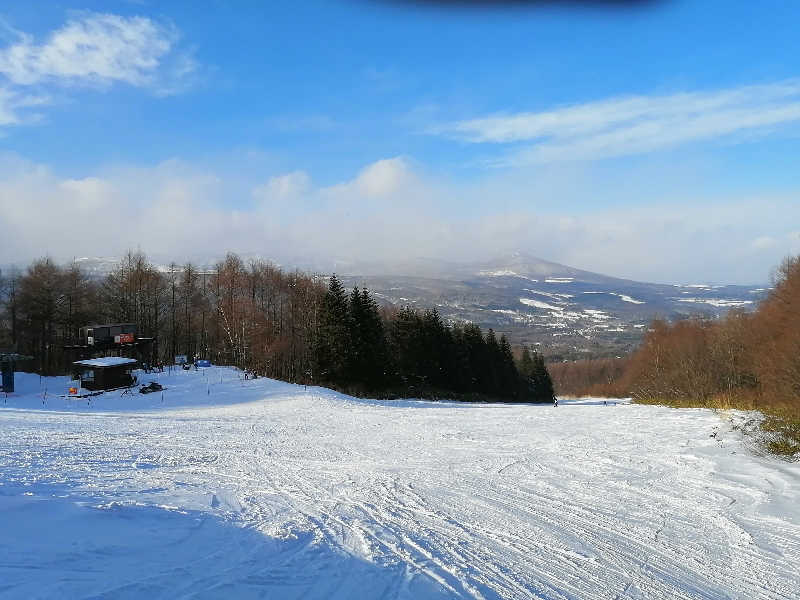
x: 95, y: 266
x: 99, y: 267
x: 568, y: 312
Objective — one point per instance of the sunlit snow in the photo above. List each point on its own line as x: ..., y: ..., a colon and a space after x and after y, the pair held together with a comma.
x: 721, y: 302
x: 231, y: 488
x: 539, y: 304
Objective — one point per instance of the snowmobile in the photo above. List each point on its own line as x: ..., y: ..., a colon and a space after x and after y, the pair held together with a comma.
x: 151, y: 387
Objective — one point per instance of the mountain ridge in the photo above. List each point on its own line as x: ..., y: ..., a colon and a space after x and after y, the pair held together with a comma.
x: 565, y: 311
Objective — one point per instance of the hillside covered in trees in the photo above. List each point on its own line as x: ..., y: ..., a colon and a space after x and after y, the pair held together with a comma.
x: 286, y: 325
x: 746, y: 360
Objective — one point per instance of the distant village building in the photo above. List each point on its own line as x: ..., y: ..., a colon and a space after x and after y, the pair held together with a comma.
x: 108, y: 373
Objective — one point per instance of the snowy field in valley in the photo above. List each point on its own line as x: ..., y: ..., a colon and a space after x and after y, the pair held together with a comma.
x: 261, y: 489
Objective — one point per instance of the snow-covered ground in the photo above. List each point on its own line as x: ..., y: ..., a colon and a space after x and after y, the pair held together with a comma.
x: 261, y: 489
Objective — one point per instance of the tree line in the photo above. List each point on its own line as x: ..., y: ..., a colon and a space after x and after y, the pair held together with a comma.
x: 750, y: 358
x: 287, y: 325
x: 745, y: 360
x: 408, y: 351
x: 590, y: 376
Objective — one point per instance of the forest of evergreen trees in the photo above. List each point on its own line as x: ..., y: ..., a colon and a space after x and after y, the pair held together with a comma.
x: 414, y: 352
x: 286, y: 325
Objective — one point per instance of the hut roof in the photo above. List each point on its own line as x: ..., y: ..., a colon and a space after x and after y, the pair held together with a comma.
x: 108, y: 361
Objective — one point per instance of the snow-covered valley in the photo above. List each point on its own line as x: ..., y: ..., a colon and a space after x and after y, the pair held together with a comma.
x: 232, y: 488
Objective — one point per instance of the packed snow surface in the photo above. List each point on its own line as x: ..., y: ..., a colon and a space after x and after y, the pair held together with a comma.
x: 226, y: 488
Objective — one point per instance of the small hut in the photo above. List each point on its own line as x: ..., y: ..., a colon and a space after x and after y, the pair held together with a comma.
x: 107, y: 373
x: 111, y: 338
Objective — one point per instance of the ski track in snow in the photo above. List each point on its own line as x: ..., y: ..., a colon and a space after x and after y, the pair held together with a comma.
x: 266, y: 489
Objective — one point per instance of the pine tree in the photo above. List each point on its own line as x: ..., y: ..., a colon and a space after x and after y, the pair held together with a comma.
x: 433, y: 348
x: 374, y: 349
x: 355, y: 354
x: 509, y: 377
x: 493, y: 364
x: 543, y: 384
x: 477, y: 358
x: 458, y: 367
x: 526, y: 363
x: 332, y: 355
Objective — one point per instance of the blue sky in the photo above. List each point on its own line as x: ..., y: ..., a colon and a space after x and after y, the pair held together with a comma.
x: 658, y: 142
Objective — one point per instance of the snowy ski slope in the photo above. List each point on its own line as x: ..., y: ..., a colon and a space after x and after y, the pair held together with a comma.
x: 261, y: 489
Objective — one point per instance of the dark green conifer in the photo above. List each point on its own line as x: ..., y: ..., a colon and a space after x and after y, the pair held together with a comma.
x: 332, y: 346
x: 543, y: 384
x: 526, y: 363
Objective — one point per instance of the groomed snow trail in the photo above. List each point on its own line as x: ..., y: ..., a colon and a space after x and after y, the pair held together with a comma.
x: 262, y: 489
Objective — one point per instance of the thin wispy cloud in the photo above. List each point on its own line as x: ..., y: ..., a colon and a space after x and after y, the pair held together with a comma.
x: 90, y: 50
x: 16, y: 108
x: 632, y: 125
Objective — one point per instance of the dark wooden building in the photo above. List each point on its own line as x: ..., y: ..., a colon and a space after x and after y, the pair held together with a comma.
x: 103, y: 337
x: 108, y: 373
x: 121, y: 339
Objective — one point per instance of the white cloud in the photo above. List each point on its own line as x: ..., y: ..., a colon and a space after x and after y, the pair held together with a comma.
x: 88, y: 194
x: 376, y: 187
x: 792, y: 239
x: 15, y: 107
x: 93, y: 49
x: 90, y: 49
x: 176, y: 210
x: 633, y: 125
x: 283, y: 187
x: 169, y: 205
x: 763, y: 242
x: 383, y: 177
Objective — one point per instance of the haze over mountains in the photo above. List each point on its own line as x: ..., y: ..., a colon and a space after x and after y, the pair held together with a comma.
x: 567, y: 312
